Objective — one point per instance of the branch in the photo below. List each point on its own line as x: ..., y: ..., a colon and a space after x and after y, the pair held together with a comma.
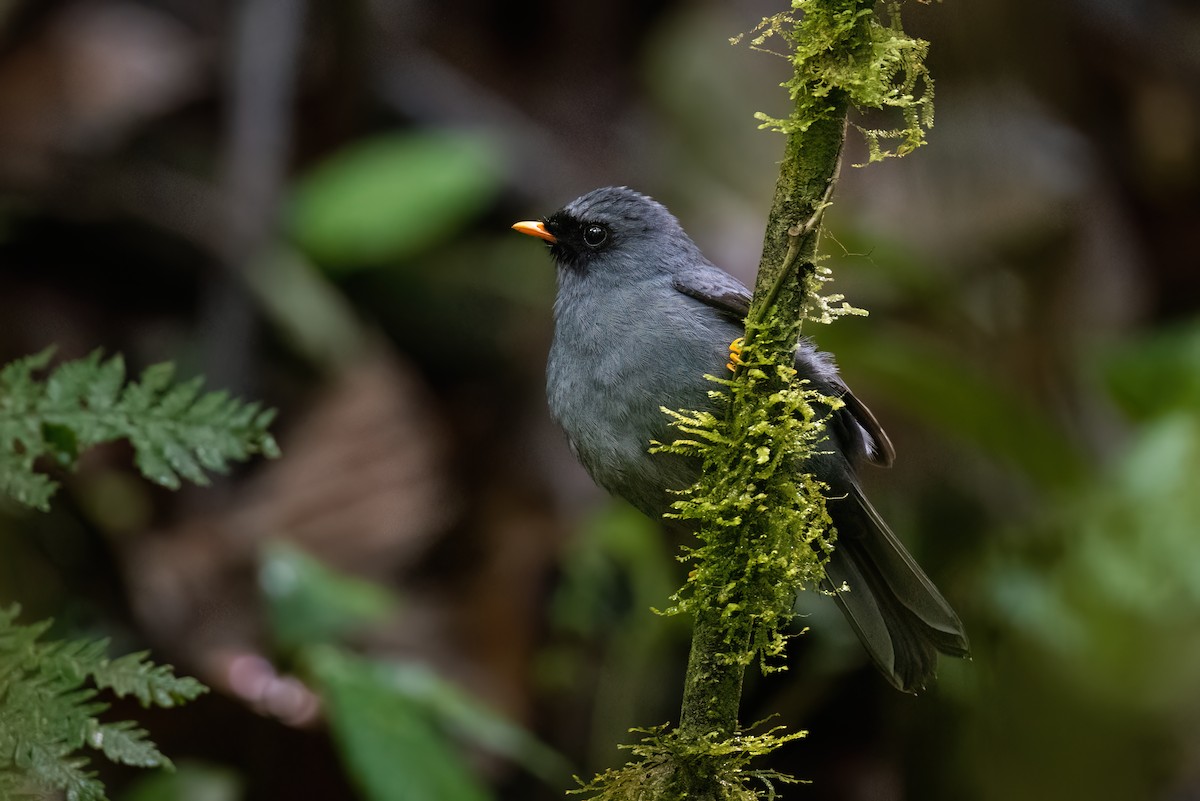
x: 762, y: 527
x: 786, y: 282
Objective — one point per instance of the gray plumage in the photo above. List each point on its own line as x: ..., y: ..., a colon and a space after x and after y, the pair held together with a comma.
x: 640, y: 317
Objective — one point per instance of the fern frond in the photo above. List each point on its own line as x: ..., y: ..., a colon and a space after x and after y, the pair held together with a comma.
x: 152, y: 685
x: 178, y: 432
x: 125, y: 743
x: 50, y: 710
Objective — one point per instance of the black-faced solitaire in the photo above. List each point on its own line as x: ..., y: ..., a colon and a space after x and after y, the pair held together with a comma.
x: 640, y: 317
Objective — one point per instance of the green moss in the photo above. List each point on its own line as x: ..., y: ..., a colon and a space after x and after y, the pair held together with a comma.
x: 846, y: 48
x: 750, y: 482
x: 671, y: 765
x: 762, y: 528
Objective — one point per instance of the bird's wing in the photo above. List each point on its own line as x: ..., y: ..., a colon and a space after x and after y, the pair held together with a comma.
x: 716, y: 288
x: 881, y: 452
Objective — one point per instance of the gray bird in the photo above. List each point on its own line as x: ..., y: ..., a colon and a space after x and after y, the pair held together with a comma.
x: 639, y: 319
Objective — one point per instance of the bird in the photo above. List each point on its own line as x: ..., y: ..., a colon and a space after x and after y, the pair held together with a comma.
x: 640, y: 318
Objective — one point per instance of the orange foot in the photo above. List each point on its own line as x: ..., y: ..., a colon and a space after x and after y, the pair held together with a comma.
x: 735, y: 354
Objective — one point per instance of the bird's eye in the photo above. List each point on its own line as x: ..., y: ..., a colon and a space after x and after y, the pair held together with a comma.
x: 595, y: 235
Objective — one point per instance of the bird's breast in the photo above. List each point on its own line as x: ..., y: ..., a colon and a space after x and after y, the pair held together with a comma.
x: 613, y: 366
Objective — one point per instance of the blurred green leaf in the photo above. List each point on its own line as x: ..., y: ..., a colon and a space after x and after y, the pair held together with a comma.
x: 961, y: 399
x: 1096, y: 605
x: 473, y: 721
x: 191, y: 781
x: 389, y: 740
x: 618, y: 567
x: 1157, y: 373
x: 386, y: 199
x: 61, y: 444
x: 1119, y: 604
x: 309, y: 603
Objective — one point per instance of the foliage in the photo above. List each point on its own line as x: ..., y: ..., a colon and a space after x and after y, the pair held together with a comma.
x: 669, y: 765
x: 397, y: 725
x: 1126, y: 592
x: 388, y: 198
x: 309, y: 603
x: 176, y: 432
x: 48, y: 713
x: 190, y: 781
x: 390, y: 744
x: 48, y: 690
x: 844, y: 47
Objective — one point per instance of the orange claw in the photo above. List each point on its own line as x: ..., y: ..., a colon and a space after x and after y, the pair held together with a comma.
x: 735, y: 354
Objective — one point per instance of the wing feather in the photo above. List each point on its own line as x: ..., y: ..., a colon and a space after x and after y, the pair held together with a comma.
x: 714, y: 287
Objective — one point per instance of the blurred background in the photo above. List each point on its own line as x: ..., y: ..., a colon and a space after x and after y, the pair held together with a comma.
x: 308, y: 202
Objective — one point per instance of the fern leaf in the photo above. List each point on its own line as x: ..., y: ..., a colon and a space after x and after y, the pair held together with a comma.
x: 70, y: 661
x: 152, y: 685
x: 178, y: 432
x: 125, y: 743
x: 49, y: 712
x: 47, y: 770
x: 20, y: 482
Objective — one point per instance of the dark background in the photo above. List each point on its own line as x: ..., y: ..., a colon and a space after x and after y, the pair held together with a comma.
x: 308, y: 202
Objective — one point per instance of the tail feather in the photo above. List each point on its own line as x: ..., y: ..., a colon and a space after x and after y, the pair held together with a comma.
x: 897, y: 612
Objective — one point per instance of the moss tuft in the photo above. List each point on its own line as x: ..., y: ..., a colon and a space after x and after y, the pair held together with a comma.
x: 846, y: 48
x: 671, y: 765
x: 750, y: 482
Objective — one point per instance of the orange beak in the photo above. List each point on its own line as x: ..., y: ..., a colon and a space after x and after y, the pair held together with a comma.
x: 534, y: 228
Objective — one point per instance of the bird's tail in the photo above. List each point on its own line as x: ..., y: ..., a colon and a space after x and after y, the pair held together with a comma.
x: 897, y: 612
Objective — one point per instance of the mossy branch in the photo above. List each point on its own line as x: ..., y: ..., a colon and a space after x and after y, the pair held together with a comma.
x: 762, y: 527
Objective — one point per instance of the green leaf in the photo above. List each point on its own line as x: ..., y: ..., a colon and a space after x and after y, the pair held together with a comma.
x: 61, y: 443
x: 309, y: 603
x: 389, y: 198
x: 472, y: 720
x: 104, y: 386
x: 19, y: 482
x: 126, y: 744
x: 1157, y: 373
x: 190, y: 782
x: 153, y: 465
x: 156, y: 377
x: 959, y: 398
x: 176, y: 432
x: 153, y: 685
x: 390, y: 744
x: 48, y: 713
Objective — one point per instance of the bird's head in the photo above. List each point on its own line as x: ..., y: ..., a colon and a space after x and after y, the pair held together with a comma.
x: 613, y: 229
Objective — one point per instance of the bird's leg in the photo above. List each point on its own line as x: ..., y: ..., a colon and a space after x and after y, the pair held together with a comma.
x: 735, y: 354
